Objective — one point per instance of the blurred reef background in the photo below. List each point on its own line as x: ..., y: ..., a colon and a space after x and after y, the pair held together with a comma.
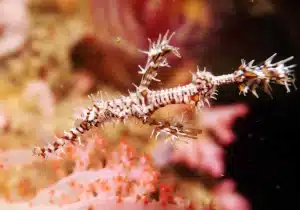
x: 54, y: 53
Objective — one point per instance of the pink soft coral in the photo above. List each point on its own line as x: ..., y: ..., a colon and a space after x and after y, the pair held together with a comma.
x: 220, y: 119
x: 14, y: 24
x: 129, y: 179
x: 205, y: 154
x: 226, y: 198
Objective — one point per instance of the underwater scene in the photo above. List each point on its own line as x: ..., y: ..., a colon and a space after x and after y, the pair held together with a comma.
x: 149, y: 104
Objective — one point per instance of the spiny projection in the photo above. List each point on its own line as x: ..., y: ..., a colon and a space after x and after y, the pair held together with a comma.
x: 143, y: 102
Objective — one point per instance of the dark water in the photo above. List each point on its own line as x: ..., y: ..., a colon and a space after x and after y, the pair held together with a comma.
x: 264, y: 158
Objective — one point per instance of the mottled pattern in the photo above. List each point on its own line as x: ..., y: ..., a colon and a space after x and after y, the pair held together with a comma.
x: 143, y: 102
